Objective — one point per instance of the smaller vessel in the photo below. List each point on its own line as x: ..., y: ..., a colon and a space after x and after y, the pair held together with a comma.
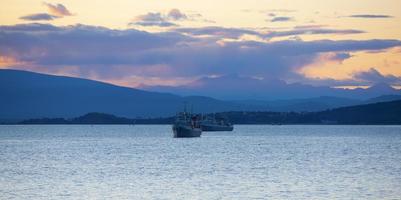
x: 215, y: 123
x: 186, y: 125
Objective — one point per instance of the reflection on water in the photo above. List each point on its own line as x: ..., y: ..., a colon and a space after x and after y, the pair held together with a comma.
x: 253, y: 162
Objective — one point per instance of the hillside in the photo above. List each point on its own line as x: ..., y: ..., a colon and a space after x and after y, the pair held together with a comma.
x: 369, y: 114
x: 376, y: 113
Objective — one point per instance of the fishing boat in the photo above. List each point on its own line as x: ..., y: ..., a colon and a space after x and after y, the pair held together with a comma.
x: 214, y: 123
x: 186, y: 125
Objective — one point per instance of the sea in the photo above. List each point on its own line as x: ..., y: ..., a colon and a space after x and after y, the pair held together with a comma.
x: 252, y: 162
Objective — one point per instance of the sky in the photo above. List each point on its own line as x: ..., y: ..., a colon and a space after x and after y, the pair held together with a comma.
x: 343, y: 43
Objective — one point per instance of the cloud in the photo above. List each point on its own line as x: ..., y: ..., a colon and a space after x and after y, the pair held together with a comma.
x: 281, y: 19
x: 311, y: 26
x: 39, y: 17
x: 372, y: 76
x: 269, y: 11
x: 312, y: 31
x: 154, y: 23
x: 152, y: 19
x: 6, y: 62
x: 336, y: 57
x: 235, y: 33
x: 57, y: 9
x: 29, y: 28
x: 341, y: 56
x: 167, y: 19
x: 176, y: 14
x: 370, y: 16
x: 112, y: 54
x: 274, y: 15
x: 80, y: 44
x: 281, y: 10
x: 218, y: 31
x: 360, y: 78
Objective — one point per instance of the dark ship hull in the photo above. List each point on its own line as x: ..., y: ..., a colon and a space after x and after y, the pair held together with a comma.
x: 181, y: 131
x: 212, y: 127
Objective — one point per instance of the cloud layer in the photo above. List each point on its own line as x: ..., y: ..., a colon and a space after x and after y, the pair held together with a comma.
x: 107, y: 54
x: 235, y: 33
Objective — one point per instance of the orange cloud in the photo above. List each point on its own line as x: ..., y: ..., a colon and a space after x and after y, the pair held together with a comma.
x: 386, y: 62
x: 143, y: 81
x: 7, y: 62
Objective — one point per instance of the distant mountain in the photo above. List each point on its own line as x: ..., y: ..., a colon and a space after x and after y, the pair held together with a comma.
x: 315, y: 104
x: 234, y: 87
x: 383, y: 98
x: 303, y: 105
x: 27, y: 95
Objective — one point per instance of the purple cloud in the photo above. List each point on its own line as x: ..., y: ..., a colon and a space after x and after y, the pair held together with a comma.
x: 374, y: 77
x: 281, y: 19
x: 29, y: 28
x: 312, y: 31
x: 341, y: 56
x: 58, y: 9
x: 371, y: 16
x: 39, y: 17
x: 176, y: 14
x: 152, y: 19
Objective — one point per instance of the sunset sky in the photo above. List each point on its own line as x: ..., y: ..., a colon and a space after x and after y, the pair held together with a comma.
x: 343, y: 43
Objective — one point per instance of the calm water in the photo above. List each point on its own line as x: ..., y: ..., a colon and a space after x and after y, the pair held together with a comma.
x: 253, y: 162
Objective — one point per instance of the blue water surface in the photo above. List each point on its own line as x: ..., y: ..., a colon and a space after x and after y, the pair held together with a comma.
x: 252, y: 162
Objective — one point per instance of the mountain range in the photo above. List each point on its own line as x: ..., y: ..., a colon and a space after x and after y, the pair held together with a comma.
x: 233, y: 86
x: 26, y: 95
